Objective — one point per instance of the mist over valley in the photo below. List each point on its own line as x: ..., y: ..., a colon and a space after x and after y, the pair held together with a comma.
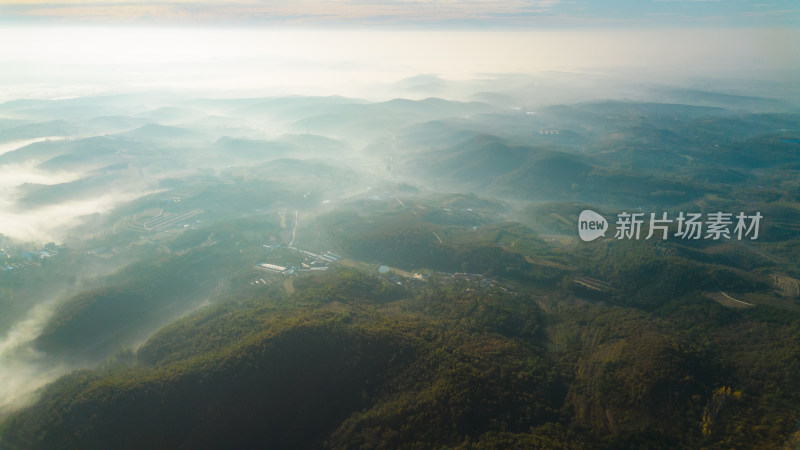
x: 336, y: 238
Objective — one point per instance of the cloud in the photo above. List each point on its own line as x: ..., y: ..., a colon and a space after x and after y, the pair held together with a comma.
x: 23, y: 369
x: 69, y: 61
x: 6, y: 147
x: 48, y: 222
x: 54, y: 222
x: 264, y: 11
x: 402, y: 13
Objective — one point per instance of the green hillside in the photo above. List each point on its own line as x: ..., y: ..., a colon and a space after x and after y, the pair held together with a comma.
x: 348, y: 360
x: 328, y: 272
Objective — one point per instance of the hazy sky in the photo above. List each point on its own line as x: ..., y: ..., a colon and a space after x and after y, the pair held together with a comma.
x: 536, y: 13
x: 77, y: 47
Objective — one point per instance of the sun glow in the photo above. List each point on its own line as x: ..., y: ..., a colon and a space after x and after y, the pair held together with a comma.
x: 59, y: 61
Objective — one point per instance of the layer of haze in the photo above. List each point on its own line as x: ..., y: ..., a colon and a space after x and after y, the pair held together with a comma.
x: 61, y: 61
x: 572, y: 65
x: 49, y: 222
x: 58, y: 62
x: 23, y: 368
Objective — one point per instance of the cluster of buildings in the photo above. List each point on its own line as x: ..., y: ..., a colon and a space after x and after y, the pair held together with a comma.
x: 326, y: 257
x: 314, y: 263
x: 476, y: 278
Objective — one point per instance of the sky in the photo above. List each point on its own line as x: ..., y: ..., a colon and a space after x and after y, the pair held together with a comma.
x: 414, y: 13
x: 261, y: 47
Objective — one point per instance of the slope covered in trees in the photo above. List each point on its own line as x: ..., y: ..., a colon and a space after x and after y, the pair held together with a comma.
x: 350, y: 359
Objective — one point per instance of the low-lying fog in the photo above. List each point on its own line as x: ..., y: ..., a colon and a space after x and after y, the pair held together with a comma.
x: 142, y: 110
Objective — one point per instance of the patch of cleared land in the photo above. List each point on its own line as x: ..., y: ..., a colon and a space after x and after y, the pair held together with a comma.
x: 787, y: 286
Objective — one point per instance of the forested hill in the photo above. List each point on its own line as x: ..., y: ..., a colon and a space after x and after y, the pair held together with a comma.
x: 352, y: 360
x: 325, y: 272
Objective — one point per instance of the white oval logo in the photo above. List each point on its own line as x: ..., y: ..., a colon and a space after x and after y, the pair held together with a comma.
x: 591, y: 225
